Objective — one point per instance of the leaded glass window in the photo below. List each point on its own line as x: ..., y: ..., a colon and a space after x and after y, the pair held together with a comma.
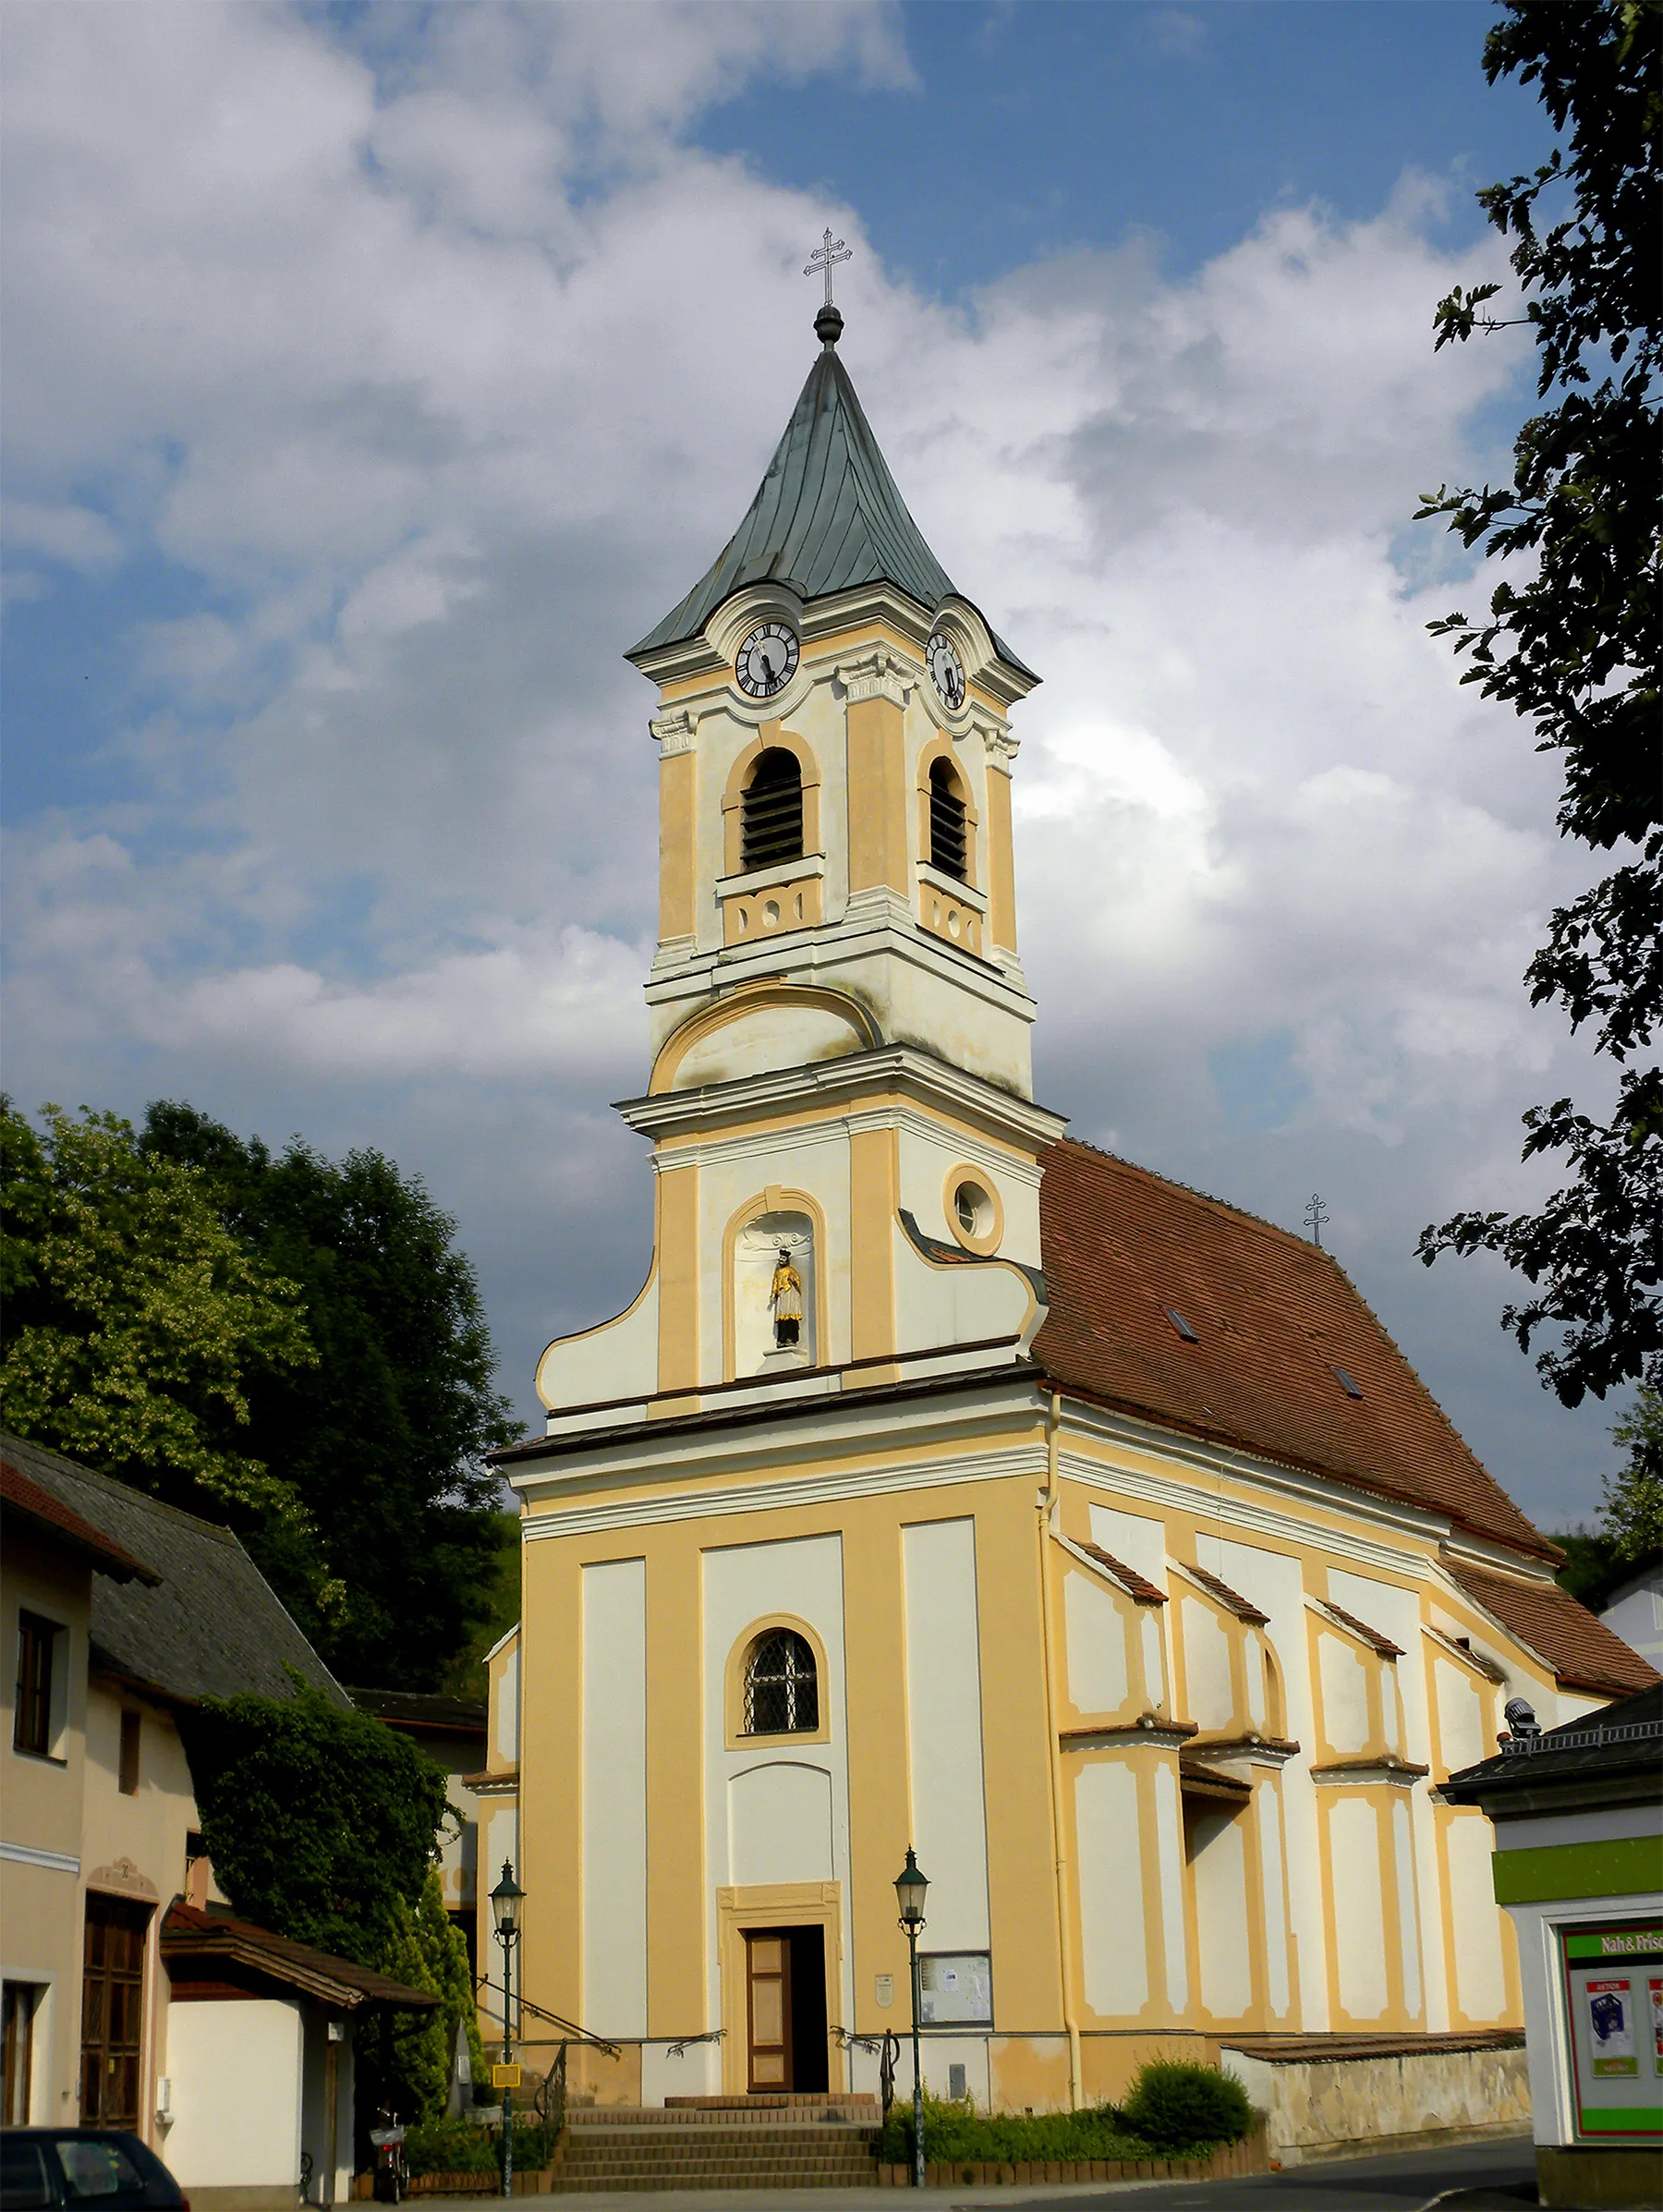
x: 782, y: 1690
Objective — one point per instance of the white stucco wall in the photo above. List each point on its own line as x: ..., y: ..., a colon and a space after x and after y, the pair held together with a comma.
x: 615, y: 1797
x: 943, y: 1727
x: 236, y: 2071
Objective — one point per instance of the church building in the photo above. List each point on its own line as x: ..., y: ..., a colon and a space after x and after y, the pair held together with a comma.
x: 953, y: 1485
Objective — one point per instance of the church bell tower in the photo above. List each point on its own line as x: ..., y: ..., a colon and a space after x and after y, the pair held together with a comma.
x: 840, y: 1101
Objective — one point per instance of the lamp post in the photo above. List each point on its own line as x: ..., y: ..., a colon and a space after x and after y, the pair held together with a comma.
x: 505, y: 1900
x: 910, y: 1886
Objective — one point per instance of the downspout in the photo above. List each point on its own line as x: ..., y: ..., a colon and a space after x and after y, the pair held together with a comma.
x: 1048, y: 1513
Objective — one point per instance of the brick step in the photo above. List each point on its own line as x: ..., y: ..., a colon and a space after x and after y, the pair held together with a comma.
x: 804, y: 2131
x: 729, y: 2162
x: 565, y: 2183
x: 729, y: 2113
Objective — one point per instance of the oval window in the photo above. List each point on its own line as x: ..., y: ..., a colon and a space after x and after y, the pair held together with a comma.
x: 972, y: 1209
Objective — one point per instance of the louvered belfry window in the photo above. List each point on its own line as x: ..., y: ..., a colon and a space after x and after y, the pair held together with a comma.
x: 948, y: 826
x: 771, y: 815
x: 782, y: 1690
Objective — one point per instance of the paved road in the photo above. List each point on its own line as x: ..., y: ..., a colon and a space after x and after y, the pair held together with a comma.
x: 1473, y: 2177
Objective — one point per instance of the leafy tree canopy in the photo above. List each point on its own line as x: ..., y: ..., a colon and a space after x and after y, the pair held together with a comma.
x: 1572, y: 641
x: 381, y: 1437
x: 136, y: 1321
x: 320, y: 1822
x: 1631, y: 1513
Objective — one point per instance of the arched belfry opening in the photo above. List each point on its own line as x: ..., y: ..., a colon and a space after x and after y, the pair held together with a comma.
x: 770, y: 811
x: 949, y: 822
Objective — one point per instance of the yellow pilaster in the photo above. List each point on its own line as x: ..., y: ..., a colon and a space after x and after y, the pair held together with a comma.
x: 675, y: 1822
x: 880, y: 1827
x: 548, y: 1968
x: 873, y: 1197
x: 1002, y: 867
x: 678, y: 857
x: 878, y: 839
x: 678, y: 1277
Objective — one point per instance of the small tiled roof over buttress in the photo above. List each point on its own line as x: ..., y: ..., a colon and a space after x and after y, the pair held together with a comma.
x: 1282, y: 1358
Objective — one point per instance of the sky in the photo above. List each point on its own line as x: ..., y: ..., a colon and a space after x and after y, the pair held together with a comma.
x: 377, y: 374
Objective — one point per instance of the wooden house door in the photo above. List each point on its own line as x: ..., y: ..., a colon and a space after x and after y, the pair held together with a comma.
x: 113, y: 2011
x: 768, y: 1979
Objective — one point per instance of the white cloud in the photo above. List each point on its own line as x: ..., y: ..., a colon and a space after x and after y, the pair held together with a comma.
x: 446, y: 364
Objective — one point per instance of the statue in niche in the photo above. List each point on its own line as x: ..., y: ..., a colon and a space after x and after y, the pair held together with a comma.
x: 786, y: 1296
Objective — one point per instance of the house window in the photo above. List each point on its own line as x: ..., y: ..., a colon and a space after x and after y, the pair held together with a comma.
x: 948, y: 843
x: 132, y: 1727
x: 781, y: 1690
x: 31, y: 1718
x: 771, y: 812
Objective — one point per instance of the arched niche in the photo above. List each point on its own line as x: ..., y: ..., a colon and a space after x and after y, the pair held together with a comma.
x: 761, y: 1343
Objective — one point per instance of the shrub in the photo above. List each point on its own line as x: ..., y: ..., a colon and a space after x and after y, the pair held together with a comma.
x: 957, y: 2132
x: 1178, y: 2106
x: 463, y: 2145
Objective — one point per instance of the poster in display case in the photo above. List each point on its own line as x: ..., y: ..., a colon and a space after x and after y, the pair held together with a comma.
x: 1612, y: 1978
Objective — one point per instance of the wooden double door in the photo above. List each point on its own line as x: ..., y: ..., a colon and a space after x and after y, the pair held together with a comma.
x: 786, y: 2009
x: 113, y: 2011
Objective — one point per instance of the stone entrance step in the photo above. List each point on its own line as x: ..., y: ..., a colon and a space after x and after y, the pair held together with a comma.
x: 797, y: 2142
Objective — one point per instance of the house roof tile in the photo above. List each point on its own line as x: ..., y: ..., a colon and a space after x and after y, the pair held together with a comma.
x: 191, y: 1938
x: 23, y: 1499
x: 1583, y: 1652
x: 1273, y: 1316
x: 210, y: 1625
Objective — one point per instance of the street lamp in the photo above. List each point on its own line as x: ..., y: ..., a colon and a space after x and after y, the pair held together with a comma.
x: 910, y: 1886
x: 505, y: 1902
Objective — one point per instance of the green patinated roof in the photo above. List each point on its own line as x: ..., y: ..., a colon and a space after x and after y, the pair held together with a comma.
x: 826, y: 519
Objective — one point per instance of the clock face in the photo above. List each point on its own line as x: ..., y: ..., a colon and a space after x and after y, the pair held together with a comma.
x: 767, y: 661
x: 946, y: 670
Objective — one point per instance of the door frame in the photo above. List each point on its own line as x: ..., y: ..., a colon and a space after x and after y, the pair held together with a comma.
x: 771, y: 1905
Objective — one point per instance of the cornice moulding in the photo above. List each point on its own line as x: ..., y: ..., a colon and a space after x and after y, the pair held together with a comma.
x: 891, y: 1068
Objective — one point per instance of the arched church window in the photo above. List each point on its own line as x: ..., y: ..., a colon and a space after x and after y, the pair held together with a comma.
x: 947, y: 821
x: 781, y: 1688
x: 770, y: 811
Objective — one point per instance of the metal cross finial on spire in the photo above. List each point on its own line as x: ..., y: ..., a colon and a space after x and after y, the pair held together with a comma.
x: 825, y: 256
x: 1316, y: 1214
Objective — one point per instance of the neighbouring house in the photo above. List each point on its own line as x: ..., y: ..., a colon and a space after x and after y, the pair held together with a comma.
x: 451, y: 1730
x: 131, y: 1998
x: 953, y: 1484
x: 1577, y: 1812
x: 1633, y: 1608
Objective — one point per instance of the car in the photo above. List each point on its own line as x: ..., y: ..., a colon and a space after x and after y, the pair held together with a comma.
x: 96, y: 2167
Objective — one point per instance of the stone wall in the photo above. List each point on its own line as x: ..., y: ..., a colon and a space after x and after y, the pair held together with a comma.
x: 1328, y: 2096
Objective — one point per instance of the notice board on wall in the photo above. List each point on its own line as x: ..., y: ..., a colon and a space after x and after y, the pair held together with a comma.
x: 956, y: 1988
x: 1612, y: 1990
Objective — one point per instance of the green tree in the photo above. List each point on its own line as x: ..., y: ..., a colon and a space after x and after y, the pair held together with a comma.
x: 382, y: 1437
x: 318, y: 1818
x: 407, y: 2055
x: 1572, y: 641
x: 321, y: 1823
x: 1632, y: 1510
x: 137, y: 1323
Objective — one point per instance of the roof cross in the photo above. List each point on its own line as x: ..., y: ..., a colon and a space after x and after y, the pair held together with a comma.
x: 825, y: 257
x: 1316, y: 1218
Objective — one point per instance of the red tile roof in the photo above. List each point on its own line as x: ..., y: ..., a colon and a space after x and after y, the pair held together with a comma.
x: 1232, y: 1601
x: 1274, y: 1316
x: 1584, y: 1653
x: 1130, y: 1580
x: 193, y: 1940
x: 20, y: 1495
x: 1383, y: 1645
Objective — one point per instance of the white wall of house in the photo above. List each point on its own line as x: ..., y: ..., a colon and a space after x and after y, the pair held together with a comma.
x: 237, y: 2070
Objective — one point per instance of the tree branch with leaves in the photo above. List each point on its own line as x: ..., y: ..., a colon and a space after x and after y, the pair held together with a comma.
x: 1570, y: 641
